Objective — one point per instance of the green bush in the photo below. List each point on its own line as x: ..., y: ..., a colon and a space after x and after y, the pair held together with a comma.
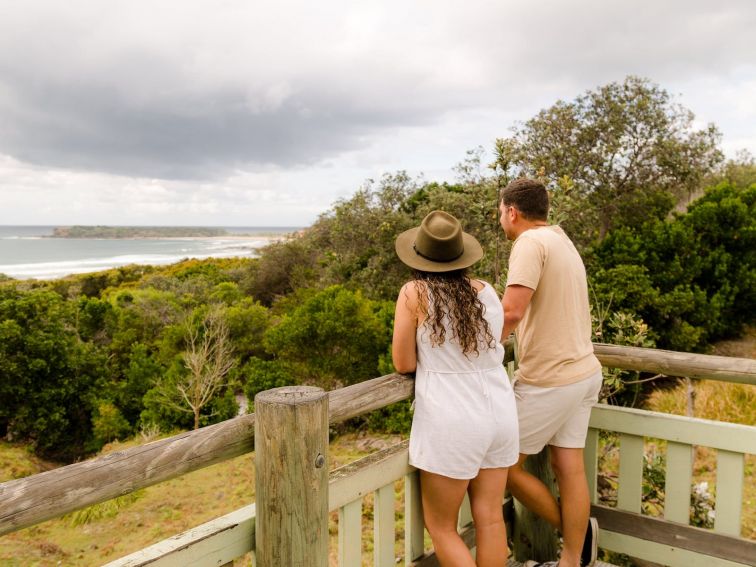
x: 692, y: 279
x: 108, y: 424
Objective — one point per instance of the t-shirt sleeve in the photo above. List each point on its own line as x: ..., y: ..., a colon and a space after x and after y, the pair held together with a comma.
x: 526, y: 263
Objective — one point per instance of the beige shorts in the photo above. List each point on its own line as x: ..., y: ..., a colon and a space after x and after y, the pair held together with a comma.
x: 555, y: 416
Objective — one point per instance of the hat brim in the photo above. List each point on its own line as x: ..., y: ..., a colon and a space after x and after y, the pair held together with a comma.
x: 405, y: 249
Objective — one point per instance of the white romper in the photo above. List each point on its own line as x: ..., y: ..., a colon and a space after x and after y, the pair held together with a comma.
x: 465, y: 411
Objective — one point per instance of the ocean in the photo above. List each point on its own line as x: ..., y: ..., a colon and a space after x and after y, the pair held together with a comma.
x: 27, y: 252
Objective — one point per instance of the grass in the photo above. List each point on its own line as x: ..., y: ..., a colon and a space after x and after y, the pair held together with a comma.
x: 113, y: 529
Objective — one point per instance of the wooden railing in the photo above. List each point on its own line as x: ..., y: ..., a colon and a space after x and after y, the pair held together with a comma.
x: 28, y: 501
x: 671, y: 541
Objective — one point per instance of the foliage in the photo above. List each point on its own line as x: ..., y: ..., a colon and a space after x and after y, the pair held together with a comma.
x: 396, y: 418
x: 283, y: 267
x: 702, y: 509
x: 620, y: 387
x: 336, y: 337
x: 739, y: 172
x: 247, y: 321
x: 694, y: 277
x: 357, y: 237
x: 141, y: 373
x: 48, y: 373
x: 107, y: 509
x: 108, y: 424
x: 261, y: 375
x: 614, y: 156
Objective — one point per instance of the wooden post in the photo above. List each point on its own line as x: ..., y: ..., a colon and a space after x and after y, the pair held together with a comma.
x: 291, y: 477
x: 534, y: 538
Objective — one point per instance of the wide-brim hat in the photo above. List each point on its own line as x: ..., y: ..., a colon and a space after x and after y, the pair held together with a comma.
x: 438, y: 245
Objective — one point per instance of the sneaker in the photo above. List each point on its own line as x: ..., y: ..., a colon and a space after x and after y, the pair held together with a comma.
x: 590, y: 545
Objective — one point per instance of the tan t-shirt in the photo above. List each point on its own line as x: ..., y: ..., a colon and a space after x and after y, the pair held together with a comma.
x: 554, y: 336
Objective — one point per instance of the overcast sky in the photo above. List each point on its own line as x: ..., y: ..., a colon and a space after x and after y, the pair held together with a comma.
x: 263, y: 113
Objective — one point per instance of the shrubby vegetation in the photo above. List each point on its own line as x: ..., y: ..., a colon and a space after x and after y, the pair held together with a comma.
x: 97, y: 357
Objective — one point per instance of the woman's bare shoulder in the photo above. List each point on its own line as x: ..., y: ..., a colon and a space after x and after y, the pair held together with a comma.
x: 413, y: 292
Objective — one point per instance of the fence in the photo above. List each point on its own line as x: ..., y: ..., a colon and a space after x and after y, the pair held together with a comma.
x: 295, y: 491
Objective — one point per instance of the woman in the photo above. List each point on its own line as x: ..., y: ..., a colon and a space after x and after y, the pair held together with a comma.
x: 464, y: 429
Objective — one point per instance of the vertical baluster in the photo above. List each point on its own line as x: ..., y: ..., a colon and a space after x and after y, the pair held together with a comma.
x: 730, y: 468
x: 413, y: 518
x: 590, y: 458
x: 677, y: 482
x: 630, y: 473
x: 383, y: 527
x: 350, y: 534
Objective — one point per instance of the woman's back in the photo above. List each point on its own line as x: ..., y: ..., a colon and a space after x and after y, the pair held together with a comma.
x: 448, y: 356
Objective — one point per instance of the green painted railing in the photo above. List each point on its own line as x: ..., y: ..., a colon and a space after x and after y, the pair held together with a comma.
x: 672, y: 541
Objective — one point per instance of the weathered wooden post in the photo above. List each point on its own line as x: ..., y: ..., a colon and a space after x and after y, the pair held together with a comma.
x: 291, y: 477
x: 534, y: 538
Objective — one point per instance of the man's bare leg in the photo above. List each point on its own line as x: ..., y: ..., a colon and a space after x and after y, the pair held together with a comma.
x: 570, y: 515
x: 533, y: 493
x: 575, y: 503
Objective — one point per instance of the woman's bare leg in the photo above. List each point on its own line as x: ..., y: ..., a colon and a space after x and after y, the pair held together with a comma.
x: 442, y: 496
x: 486, y: 501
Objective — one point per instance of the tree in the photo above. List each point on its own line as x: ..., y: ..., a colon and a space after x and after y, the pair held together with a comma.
x: 207, y: 360
x: 282, y: 267
x: 337, y: 336
x: 691, y: 278
x: 615, y: 156
x: 356, y: 238
x: 49, y: 377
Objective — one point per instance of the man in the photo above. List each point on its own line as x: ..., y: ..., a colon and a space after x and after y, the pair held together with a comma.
x: 558, y: 377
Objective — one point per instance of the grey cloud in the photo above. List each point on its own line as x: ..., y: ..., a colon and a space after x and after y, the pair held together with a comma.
x: 185, y: 100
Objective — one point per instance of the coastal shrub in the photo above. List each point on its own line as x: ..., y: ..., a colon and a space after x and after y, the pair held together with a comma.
x: 140, y: 374
x: 50, y: 377
x: 283, y: 267
x: 396, y: 418
x: 260, y: 375
x: 356, y: 237
x: 108, y: 424
x: 692, y: 279
x: 247, y: 322
x: 337, y: 336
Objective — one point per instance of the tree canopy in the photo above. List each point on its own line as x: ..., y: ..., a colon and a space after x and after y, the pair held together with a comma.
x: 615, y: 156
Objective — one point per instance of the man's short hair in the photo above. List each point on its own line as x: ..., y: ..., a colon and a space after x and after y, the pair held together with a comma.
x: 528, y: 196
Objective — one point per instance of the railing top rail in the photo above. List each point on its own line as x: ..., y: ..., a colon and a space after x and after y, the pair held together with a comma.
x: 671, y: 363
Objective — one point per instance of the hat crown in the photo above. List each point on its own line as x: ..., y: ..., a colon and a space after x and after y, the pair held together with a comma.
x: 439, y: 237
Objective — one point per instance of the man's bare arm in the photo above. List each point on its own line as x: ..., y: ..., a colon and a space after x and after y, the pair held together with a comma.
x: 515, y: 301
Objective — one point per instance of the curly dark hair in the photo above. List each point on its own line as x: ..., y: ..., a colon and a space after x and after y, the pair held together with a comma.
x: 529, y: 196
x: 454, y: 296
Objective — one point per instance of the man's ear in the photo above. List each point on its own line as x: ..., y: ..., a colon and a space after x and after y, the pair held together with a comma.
x: 514, y: 214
